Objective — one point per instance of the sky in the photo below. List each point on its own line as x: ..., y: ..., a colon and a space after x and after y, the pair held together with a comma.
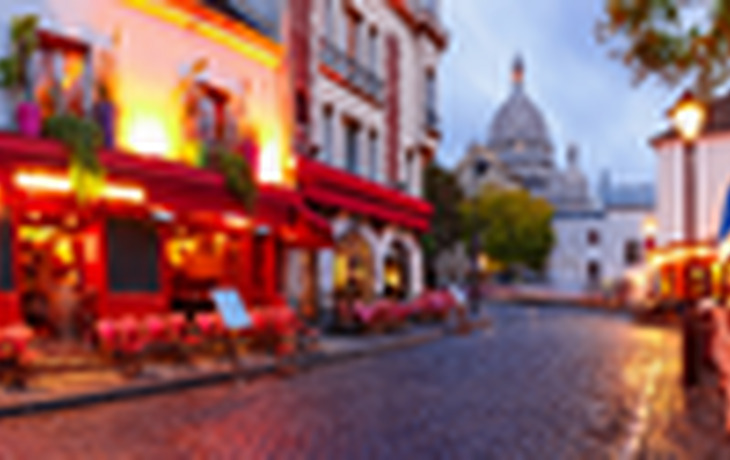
x: 586, y: 96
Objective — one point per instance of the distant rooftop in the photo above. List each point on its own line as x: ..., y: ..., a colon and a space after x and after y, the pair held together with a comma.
x: 629, y: 196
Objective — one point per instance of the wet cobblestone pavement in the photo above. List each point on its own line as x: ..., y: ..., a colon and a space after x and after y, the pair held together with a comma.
x: 539, y: 384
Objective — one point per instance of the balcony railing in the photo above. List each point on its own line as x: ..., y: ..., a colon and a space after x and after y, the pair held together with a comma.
x: 352, y: 71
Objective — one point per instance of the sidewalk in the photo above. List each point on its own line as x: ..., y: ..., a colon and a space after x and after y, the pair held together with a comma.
x: 65, y: 390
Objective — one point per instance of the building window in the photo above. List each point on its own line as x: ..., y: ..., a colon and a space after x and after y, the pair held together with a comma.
x: 409, y: 186
x: 352, y: 159
x: 327, y: 136
x: 432, y: 118
x: 353, y: 36
x: 133, y: 256
x: 61, y: 81
x: 481, y: 167
x: 301, y: 108
x: 594, y: 273
x: 373, y: 153
x: 7, y: 281
x: 594, y: 238
x: 329, y: 19
x: 632, y: 252
x: 373, y: 50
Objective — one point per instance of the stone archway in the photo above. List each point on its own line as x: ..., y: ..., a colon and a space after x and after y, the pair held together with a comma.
x: 397, y: 273
x: 400, y: 249
x: 354, y: 267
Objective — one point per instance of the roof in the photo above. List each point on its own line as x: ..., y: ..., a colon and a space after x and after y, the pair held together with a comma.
x: 629, y: 196
x: 718, y: 120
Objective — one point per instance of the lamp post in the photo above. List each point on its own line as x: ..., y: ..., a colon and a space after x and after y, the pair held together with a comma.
x: 688, y: 117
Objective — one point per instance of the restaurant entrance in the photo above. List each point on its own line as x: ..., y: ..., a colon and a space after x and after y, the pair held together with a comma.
x: 56, y: 295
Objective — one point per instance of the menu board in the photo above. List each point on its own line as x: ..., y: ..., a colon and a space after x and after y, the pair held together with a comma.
x: 231, y: 308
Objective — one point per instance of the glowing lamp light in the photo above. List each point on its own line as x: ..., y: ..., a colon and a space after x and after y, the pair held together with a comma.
x: 124, y: 193
x: 56, y: 183
x: 43, y: 182
x: 147, y: 135
x: 235, y: 221
x: 688, y: 117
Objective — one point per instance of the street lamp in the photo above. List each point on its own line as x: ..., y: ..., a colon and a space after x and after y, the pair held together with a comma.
x: 688, y: 116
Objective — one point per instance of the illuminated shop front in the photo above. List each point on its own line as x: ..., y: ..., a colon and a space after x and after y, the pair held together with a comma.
x: 163, y: 226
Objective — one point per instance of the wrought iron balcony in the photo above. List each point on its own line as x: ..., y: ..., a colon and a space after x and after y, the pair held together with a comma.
x: 350, y: 70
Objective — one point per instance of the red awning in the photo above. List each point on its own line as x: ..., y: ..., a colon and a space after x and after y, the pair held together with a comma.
x: 337, y: 188
x: 285, y: 210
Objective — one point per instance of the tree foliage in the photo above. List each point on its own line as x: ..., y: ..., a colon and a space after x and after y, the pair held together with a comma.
x: 444, y: 193
x: 514, y: 229
x: 674, y: 40
x: 442, y: 190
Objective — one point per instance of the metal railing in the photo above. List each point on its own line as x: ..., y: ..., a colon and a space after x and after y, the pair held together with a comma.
x: 355, y: 73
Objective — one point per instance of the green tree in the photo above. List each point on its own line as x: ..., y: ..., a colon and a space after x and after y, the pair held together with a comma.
x: 678, y: 41
x: 442, y: 190
x: 514, y: 228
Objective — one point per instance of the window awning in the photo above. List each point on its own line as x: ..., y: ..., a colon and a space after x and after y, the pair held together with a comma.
x: 329, y: 186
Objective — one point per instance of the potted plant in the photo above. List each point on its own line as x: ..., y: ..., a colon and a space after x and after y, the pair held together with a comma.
x: 82, y: 137
x: 15, y: 73
x: 237, y: 174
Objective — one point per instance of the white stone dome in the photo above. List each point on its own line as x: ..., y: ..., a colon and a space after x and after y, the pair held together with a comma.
x: 519, y: 123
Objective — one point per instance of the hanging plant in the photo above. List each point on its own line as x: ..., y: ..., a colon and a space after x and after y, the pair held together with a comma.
x: 14, y: 69
x: 82, y: 138
x: 238, y: 176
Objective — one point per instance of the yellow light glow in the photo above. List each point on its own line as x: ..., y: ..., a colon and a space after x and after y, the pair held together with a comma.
x: 688, y: 117
x: 56, y: 183
x: 270, y: 162
x: 43, y: 182
x: 64, y: 250
x: 649, y: 227
x: 124, y: 193
x: 724, y: 250
x: 235, y: 221
x: 146, y: 134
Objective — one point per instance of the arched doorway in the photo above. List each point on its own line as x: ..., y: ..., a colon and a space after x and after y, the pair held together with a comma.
x: 397, y: 271
x: 354, y: 267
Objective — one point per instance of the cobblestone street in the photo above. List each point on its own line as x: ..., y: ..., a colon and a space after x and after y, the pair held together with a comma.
x: 546, y: 383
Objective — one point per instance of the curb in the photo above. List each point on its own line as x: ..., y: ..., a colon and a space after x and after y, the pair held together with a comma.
x: 305, y: 363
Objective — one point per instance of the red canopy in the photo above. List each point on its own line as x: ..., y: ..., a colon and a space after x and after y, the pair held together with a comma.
x: 334, y: 187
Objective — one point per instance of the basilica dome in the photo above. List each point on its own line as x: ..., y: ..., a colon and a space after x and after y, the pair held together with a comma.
x: 519, y: 123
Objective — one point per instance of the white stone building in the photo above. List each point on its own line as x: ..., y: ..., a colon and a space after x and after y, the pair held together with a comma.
x: 712, y: 172
x: 596, y: 241
x: 365, y: 77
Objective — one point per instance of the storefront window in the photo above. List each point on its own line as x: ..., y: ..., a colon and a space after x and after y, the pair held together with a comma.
x: 133, y: 256
x: 7, y: 281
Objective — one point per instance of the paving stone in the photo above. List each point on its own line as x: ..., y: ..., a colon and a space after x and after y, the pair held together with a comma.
x: 540, y: 384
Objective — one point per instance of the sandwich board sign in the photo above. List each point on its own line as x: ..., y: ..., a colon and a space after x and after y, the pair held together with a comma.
x: 231, y: 308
